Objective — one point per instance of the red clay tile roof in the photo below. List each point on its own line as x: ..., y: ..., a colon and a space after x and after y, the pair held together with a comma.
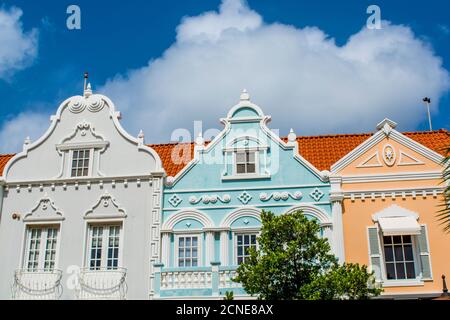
x: 321, y: 151
x: 4, y: 158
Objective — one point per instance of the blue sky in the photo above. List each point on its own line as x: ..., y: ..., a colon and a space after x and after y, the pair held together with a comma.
x: 126, y: 37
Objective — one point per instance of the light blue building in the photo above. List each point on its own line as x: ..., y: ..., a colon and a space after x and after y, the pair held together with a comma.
x: 211, y: 208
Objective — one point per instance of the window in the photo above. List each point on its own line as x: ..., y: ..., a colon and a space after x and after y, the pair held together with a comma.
x: 41, y: 248
x: 104, y: 246
x: 399, y: 257
x: 188, y: 251
x: 243, y: 243
x: 245, y: 162
x: 80, y: 163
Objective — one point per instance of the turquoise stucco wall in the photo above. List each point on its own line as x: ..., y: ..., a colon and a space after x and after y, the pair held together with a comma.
x: 280, y: 173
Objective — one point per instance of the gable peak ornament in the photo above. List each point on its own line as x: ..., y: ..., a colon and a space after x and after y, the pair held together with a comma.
x: 292, y: 137
x: 386, y: 126
x: 245, y: 96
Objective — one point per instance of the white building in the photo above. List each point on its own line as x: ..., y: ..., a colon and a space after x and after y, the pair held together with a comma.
x: 81, y: 208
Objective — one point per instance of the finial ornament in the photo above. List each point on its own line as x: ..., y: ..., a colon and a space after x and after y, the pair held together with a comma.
x: 88, y: 90
x: 292, y: 137
x: 245, y: 96
x: 141, y: 136
x: 27, y: 141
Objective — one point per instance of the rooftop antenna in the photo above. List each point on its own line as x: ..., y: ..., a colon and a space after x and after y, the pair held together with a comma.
x: 86, y: 76
x: 427, y: 103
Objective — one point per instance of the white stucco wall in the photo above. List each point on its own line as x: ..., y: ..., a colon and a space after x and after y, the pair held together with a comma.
x: 128, y: 171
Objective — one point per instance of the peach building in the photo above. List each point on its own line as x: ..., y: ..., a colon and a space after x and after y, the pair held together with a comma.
x: 390, y: 189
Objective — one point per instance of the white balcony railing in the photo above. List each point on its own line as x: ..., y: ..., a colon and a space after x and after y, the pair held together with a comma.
x: 186, y: 279
x: 225, y: 279
x: 102, y: 284
x: 37, y: 285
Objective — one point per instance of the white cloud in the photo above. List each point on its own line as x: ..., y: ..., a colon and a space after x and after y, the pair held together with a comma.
x: 299, y: 76
x: 26, y: 124
x: 18, y: 48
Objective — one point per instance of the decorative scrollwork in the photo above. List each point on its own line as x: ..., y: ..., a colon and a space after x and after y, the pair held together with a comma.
x: 277, y: 196
x: 210, y: 199
x: 93, y: 103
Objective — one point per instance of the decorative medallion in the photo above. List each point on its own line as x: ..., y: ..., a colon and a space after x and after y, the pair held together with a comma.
x: 245, y: 197
x: 175, y: 200
x: 316, y: 194
x: 389, y: 155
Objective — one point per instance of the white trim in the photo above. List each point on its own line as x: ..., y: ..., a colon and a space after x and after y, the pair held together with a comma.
x: 87, y: 246
x: 228, y: 220
x: 55, y: 119
x: 377, y: 165
x: 265, y: 205
x: 379, y: 136
x: 170, y: 223
x: 314, y: 211
x: 237, y: 232
x: 249, y: 188
x: 199, y: 236
x: 263, y: 120
x: 404, y: 154
x: 402, y: 283
x: 394, y: 211
x: 405, y: 176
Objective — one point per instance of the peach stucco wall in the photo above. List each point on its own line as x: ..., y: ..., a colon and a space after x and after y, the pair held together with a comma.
x: 357, y: 213
x: 357, y: 216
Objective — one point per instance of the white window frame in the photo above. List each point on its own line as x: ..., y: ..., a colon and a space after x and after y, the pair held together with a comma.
x: 243, y: 233
x: 236, y: 232
x: 235, y: 153
x: 105, y: 238
x: 401, y: 282
x: 200, y: 236
x: 91, y: 159
x: 42, y: 246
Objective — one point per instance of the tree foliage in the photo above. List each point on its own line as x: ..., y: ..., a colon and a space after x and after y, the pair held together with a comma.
x: 293, y: 261
x: 444, y: 214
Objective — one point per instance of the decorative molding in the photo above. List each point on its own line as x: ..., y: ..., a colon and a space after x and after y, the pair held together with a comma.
x: 316, y: 194
x: 105, y: 207
x: 394, y: 211
x: 96, y: 102
x: 402, y: 161
x: 93, y: 103
x: 175, y: 200
x: 389, y: 155
x: 314, y: 211
x: 210, y: 199
x: 170, y: 223
x: 239, y: 213
x: 245, y: 197
x: 394, y: 193
x: 364, y: 163
x: 249, y: 188
x: 45, y: 210
x: 262, y: 205
x: 263, y: 121
x: 404, y: 176
x: 379, y: 136
x: 277, y: 196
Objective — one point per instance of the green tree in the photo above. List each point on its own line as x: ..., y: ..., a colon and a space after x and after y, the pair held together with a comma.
x: 444, y: 214
x: 294, y: 262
